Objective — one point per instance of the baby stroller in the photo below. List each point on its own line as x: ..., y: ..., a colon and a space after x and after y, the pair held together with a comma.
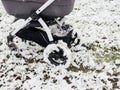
x: 47, y: 14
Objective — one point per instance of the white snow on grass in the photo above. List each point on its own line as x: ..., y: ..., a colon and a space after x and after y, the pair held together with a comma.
x: 95, y: 62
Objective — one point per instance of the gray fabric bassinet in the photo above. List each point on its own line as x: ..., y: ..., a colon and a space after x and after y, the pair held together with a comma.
x: 23, y: 8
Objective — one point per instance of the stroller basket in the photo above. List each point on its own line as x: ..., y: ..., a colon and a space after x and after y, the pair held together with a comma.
x: 23, y: 8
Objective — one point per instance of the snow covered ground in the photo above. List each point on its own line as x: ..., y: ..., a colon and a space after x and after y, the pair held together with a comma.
x: 95, y: 63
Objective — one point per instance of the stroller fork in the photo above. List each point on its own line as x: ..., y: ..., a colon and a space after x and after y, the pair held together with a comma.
x: 47, y: 30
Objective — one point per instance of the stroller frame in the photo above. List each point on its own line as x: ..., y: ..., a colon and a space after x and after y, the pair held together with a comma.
x: 54, y: 59
x: 34, y: 17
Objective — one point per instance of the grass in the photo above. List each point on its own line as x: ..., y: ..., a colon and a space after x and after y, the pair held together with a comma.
x: 109, y: 55
x: 1, y: 43
x: 90, y: 46
x: 81, y: 68
x: 0, y: 14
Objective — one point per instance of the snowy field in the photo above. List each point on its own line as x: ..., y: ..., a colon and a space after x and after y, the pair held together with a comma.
x: 95, y: 63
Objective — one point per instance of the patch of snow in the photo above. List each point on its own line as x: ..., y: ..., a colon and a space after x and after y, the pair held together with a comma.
x: 97, y: 22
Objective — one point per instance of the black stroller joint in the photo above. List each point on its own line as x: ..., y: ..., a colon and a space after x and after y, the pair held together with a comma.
x: 47, y: 14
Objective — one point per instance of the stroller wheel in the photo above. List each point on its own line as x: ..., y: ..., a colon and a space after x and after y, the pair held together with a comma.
x: 57, y: 54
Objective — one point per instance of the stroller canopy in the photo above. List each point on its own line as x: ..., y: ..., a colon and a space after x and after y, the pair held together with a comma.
x: 57, y: 2
x: 23, y: 8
